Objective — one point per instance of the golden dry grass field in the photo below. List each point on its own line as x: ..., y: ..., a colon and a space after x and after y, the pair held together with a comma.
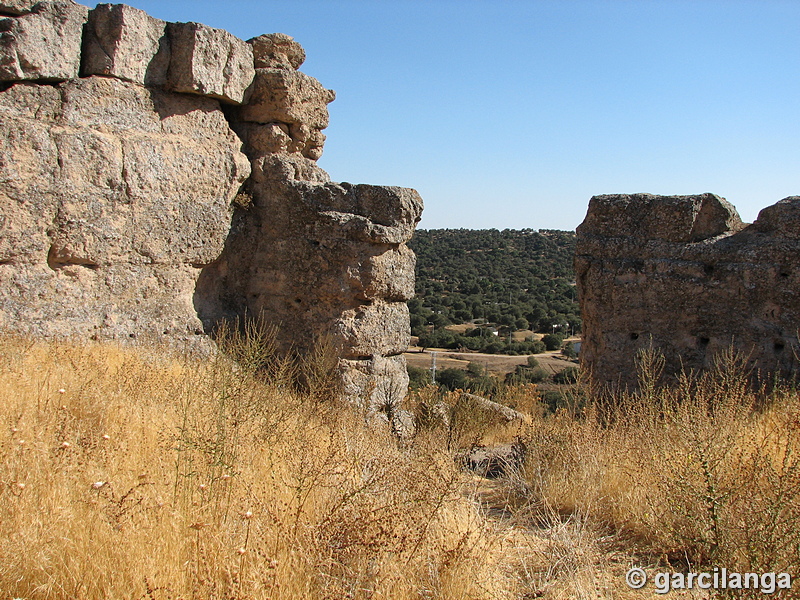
x: 139, y: 473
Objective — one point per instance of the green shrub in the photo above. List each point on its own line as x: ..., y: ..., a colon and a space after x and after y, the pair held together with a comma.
x: 476, y: 369
x: 494, y: 348
x: 439, y: 338
x: 536, y: 347
x: 568, y: 375
x: 418, y: 377
x: 523, y: 374
x: 552, y: 341
x: 482, y: 385
x: 452, y: 378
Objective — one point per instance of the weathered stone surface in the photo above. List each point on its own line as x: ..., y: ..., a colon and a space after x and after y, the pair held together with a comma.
x: 378, y: 329
x: 113, y: 198
x: 277, y: 51
x: 16, y: 7
x: 781, y: 220
x: 125, y: 42
x: 295, y: 257
x: 43, y: 45
x: 28, y: 161
x: 290, y: 97
x: 269, y: 169
x: 403, y: 423
x: 683, y: 275
x: 389, y: 275
x: 281, y: 138
x: 667, y: 218
x: 377, y: 383
x: 210, y: 62
x: 294, y: 260
x: 369, y: 213
x: 122, y: 209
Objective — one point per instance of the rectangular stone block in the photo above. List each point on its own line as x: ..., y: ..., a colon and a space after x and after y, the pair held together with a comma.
x: 669, y: 218
x: 125, y: 42
x: 375, y: 214
x: 210, y: 62
x: 284, y: 96
x: 277, y: 51
x: 388, y: 275
x: 43, y: 45
x: 375, y: 383
x: 377, y: 329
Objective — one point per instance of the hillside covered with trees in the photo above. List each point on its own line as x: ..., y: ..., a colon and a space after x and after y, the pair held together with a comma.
x: 511, y: 279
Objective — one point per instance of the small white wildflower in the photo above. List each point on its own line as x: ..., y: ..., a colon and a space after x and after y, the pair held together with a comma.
x: 98, y: 484
x: 62, y: 391
x: 65, y: 445
x: 106, y: 436
x: 202, y: 487
x: 248, y: 515
x: 20, y: 485
x: 241, y: 550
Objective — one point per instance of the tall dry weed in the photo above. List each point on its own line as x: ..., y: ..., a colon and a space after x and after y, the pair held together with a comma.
x: 702, y: 473
x: 138, y: 473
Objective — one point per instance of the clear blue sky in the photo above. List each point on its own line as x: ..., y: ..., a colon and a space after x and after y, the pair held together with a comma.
x: 512, y: 114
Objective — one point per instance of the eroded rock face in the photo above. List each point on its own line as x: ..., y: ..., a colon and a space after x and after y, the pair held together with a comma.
x: 42, y: 45
x: 291, y: 97
x: 133, y: 205
x: 323, y: 259
x: 125, y: 42
x: 684, y: 275
x: 114, y: 197
x: 277, y: 51
x: 209, y: 62
x: 16, y: 7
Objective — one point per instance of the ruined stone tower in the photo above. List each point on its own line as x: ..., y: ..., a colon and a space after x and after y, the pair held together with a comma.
x: 158, y: 177
x: 684, y: 275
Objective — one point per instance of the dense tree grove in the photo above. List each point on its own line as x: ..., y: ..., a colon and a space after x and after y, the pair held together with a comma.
x: 512, y: 279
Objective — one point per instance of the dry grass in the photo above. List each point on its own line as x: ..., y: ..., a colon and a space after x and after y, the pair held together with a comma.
x: 702, y: 474
x: 140, y: 474
x: 143, y: 474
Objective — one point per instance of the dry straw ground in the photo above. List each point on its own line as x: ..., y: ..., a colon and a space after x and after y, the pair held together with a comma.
x: 144, y: 474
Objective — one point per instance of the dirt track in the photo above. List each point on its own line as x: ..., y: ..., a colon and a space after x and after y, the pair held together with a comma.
x: 496, y: 364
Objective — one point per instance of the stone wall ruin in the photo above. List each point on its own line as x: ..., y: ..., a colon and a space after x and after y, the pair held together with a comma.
x: 685, y: 276
x: 158, y: 177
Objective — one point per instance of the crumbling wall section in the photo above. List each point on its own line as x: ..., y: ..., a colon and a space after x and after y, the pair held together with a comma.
x: 315, y: 258
x: 158, y: 177
x: 684, y: 275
